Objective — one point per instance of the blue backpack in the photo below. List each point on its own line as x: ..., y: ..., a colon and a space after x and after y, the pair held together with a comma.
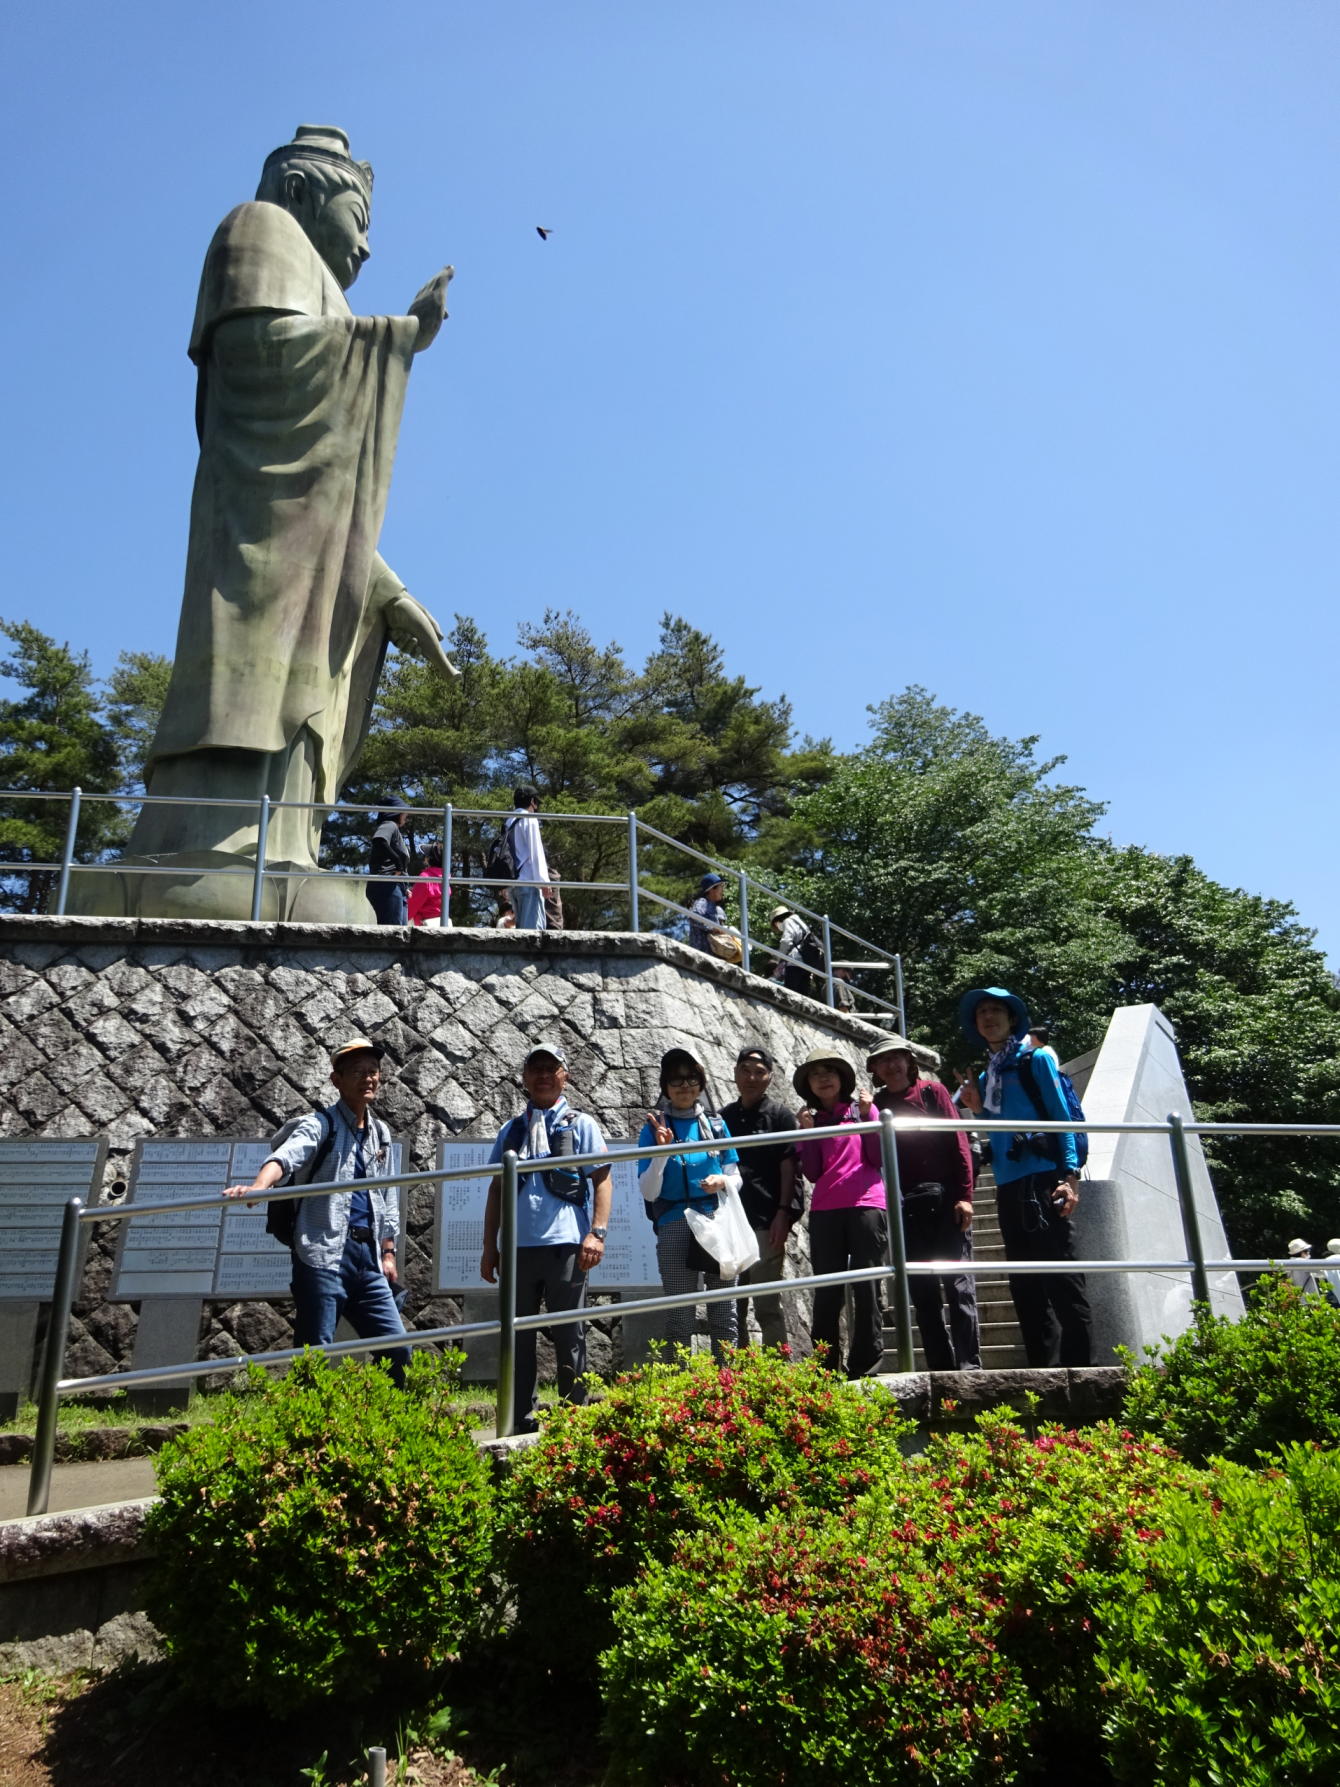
x: 1028, y: 1080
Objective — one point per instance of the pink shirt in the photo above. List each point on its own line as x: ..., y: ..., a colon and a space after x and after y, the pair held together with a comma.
x: 844, y: 1170
x: 425, y: 896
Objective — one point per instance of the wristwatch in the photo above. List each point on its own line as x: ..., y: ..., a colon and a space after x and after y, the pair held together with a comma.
x: 599, y: 1233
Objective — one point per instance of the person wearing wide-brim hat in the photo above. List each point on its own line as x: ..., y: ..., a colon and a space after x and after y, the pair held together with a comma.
x: 705, y: 914
x: 1037, y: 1175
x: 935, y: 1172
x: 848, y: 1210
x: 697, y: 1178
x: 344, y: 1241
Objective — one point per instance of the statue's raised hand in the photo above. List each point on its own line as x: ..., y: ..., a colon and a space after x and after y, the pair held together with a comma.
x: 430, y: 307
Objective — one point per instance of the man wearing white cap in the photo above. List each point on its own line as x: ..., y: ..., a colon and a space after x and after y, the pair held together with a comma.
x: 562, y: 1222
x: 343, y: 1242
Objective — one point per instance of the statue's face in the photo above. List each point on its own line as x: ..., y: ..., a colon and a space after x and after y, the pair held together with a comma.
x: 339, y: 234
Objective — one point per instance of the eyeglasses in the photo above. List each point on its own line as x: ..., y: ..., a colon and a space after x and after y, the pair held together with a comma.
x: 684, y: 1082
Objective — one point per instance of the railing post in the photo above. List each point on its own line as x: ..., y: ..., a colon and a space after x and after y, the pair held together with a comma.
x: 1186, y: 1197
x: 448, y: 820
x: 635, y: 922
x: 828, y: 961
x: 262, y: 838
x: 53, y: 1357
x: 504, y: 1421
x: 744, y: 920
x: 893, y: 1198
x: 898, y: 994
x: 67, y: 855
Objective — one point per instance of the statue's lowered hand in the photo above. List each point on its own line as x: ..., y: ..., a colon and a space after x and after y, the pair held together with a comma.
x: 430, y: 307
x: 414, y: 630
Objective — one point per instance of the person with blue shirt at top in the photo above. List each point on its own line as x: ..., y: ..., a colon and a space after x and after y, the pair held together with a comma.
x: 344, y: 1242
x: 558, y: 1240
x: 1037, y: 1177
x: 672, y: 1183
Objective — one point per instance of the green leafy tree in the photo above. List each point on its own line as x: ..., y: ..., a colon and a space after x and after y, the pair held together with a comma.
x: 1258, y: 1027
x: 963, y: 851
x: 695, y: 751
x: 959, y: 850
x: 135, y: 693
x: 52, y: 737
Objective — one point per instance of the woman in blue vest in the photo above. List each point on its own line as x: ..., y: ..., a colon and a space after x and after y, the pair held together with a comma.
x: 673, y: 1183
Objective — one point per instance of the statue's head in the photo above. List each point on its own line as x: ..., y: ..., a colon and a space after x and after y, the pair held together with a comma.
x: 329, y: 193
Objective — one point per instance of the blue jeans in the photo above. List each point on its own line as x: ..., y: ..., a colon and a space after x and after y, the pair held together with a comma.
x: 359, y: 1291
x: 528, y: 904
x: 390, y: 901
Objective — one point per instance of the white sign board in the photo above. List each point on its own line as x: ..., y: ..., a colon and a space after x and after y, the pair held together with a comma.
x: 37, y: 1180
x: 221, y: 1250
x: 458, y: 1234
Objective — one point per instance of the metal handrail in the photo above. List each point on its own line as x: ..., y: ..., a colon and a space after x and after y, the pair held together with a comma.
x: 445, y: 817
x: 897, y: 1268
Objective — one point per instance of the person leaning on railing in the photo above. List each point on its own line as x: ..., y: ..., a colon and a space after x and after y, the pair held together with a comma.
x: 672, y: 1183
x: 343, y: 1242
x: 849, y: 1225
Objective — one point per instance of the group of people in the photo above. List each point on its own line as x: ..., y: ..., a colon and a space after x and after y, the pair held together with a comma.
x: 344, y: 1241
x: 531, y: 902
x: 799, y: 956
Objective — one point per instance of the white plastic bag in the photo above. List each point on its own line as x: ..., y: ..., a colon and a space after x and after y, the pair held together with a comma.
x: 725, y: 1233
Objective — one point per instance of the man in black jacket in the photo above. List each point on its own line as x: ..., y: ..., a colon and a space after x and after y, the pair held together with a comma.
x: 771, y: 1190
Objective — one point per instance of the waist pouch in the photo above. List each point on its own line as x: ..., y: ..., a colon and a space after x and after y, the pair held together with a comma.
x: 924, y: 1203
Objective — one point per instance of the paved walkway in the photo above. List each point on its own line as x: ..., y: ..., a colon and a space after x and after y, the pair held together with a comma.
x: 78, y: 1485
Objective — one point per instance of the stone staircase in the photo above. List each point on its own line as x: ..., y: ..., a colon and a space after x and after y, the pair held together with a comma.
x: 1002, y: 1345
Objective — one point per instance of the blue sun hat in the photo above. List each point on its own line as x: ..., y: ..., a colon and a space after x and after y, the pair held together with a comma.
x: 967, y: 1011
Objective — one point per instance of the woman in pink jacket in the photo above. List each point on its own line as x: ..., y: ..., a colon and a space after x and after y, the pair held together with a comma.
x: 849, y: 1223
x: 428, y: 892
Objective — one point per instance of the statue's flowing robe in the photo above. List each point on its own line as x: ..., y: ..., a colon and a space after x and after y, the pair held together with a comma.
x: 298, y: 411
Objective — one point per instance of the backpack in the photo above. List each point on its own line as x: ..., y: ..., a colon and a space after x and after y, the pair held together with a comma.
x: 571, y: 1184
x: 500, y: 864
x: 1028, y: 1080
x: 281, y: 1218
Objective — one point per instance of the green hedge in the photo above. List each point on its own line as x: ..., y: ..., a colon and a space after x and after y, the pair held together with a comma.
x: 616, y: 1485
x: 948, y: 1622
x: 1236, y: 1389
x: 326, y: 1535
x: 1220, y: 1648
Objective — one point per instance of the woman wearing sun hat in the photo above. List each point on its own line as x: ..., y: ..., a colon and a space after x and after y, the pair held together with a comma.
x: 1037, y: 1177
x: 935, y: 1172
x: 848, y: 1213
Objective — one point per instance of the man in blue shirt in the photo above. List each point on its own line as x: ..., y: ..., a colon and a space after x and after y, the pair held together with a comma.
x: 344, y: 1242
x: 1037, y: 1177
x: 558, y: 1243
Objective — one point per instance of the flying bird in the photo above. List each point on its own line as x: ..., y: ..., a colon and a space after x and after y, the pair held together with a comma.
x: 543, y: 233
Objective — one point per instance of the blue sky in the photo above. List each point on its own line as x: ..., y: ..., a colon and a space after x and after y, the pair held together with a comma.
x: 989, y: 347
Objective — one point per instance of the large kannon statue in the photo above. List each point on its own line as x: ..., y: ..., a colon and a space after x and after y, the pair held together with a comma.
x: 288, y: 606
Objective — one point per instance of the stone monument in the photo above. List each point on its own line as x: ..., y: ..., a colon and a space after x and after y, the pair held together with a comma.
x: 288, y: 607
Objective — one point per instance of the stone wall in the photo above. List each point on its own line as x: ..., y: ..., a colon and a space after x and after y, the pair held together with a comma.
x: 132, y: 1028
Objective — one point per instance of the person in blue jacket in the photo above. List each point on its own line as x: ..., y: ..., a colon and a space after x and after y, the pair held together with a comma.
x: 1037, y: 1178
